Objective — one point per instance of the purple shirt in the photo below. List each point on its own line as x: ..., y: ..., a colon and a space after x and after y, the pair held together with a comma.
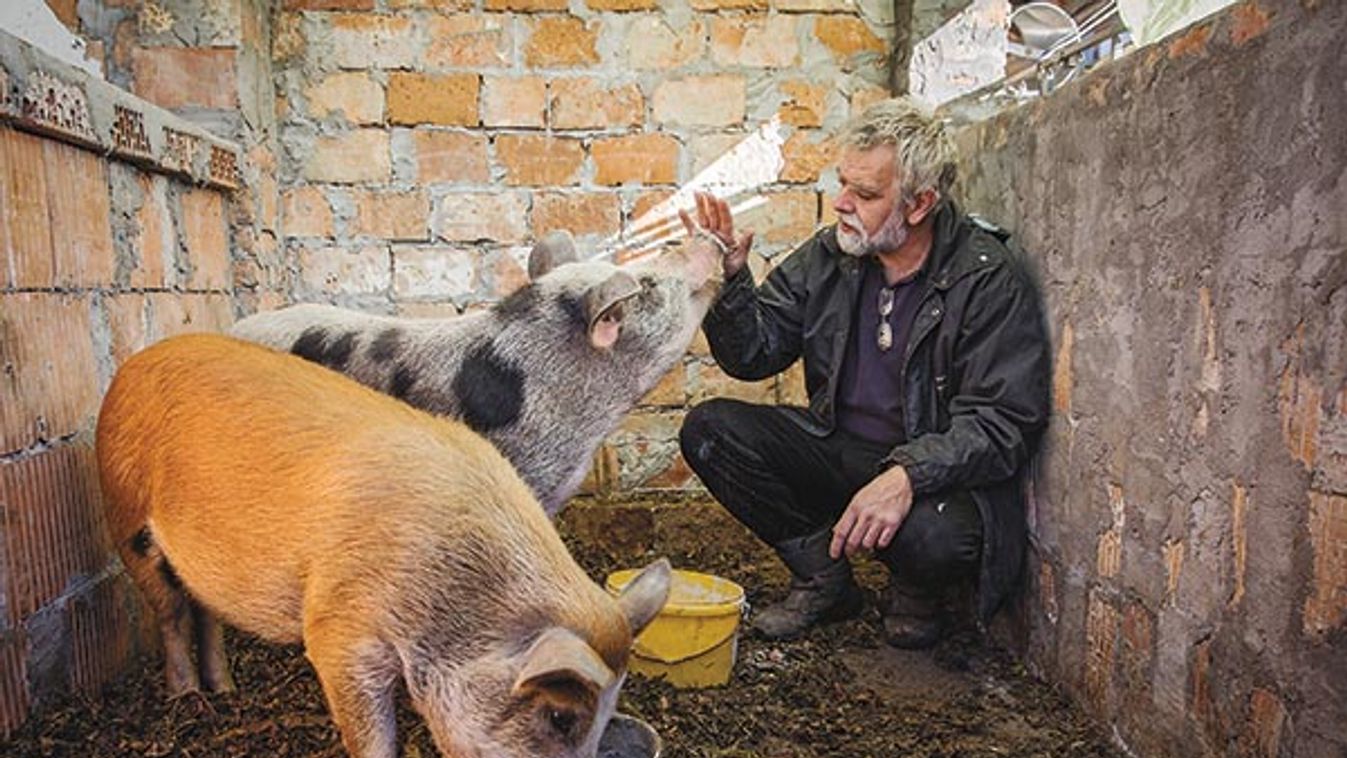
x: 870, y: 393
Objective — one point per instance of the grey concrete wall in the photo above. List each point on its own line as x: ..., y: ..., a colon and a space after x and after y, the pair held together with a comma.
x: 1186, y: 208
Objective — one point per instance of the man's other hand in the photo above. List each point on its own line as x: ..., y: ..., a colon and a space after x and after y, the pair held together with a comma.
x: 874, y: 514
x: 713, y: 217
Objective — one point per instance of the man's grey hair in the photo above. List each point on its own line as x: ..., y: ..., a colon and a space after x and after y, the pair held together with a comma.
x: 925, y: 152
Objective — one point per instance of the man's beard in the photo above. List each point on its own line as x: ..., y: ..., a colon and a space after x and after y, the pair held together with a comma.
x: 860, y: 243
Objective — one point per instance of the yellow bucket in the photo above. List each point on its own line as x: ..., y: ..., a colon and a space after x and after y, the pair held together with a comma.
x: 694, y: 639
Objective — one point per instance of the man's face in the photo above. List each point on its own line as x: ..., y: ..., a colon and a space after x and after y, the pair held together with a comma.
x: 869, y: 206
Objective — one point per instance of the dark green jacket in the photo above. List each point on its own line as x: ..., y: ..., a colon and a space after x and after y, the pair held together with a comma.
x: 977, y: 368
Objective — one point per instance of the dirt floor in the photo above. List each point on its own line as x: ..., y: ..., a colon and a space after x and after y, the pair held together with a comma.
x: 840, y: 691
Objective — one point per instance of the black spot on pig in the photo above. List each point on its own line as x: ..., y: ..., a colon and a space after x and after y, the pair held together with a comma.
x: 309, y: 346
x: 489, y: 389
x: 574, y: 310
x: 386, y: 345
x: 339, y: 352
x: 401, y: 384
x: 313, y: 346
x: 142, y: 542
x: 170, y: 576
x: 522, y: 302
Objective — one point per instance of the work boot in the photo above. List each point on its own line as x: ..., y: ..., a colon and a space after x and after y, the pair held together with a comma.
x: 913, y: 619
x: 821, y: 589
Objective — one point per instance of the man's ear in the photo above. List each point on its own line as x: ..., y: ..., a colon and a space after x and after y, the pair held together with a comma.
x: 920, y: 207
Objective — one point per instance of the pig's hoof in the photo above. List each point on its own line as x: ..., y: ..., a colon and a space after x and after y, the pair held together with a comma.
x: 223, y: 683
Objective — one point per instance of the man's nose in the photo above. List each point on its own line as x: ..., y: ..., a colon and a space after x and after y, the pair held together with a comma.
x: 843, y: 203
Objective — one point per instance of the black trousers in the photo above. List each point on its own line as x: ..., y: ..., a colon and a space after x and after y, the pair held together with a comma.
x: 783, y: 482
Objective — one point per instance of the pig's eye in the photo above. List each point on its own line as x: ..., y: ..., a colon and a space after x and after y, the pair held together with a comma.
x: 562, y: 721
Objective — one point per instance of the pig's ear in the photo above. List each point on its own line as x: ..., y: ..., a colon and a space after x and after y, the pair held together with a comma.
x: 554, y: 249
x: 645, y: 595
x: 603, y: 307
x: 557, y: 662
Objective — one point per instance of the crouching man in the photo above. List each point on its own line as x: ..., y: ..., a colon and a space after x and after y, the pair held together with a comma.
x: 927, y: 366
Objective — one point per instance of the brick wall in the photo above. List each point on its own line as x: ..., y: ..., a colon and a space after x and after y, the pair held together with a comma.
x: 426, y: 144
x: 1189, y: 577
x: 114, y: 233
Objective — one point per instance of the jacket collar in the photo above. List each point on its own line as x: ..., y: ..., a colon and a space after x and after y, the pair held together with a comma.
x: 956, y: 250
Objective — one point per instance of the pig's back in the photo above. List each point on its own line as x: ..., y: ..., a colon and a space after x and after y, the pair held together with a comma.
x: 265, y: 478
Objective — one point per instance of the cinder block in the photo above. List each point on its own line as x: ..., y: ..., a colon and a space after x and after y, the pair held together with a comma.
x: 450, y: 157
x: 561, y: 42
x: 486, y: 216
x: 357, y: 156
x: 587, y: 103
x: 635, y: 158
x: 757, y: 41
x: 26, y: 232
x: 581, y: 213
x: 443, y: 99
x: 469, y: 40
x: 52, y: 525
x: 652, y: 44
x: 438, y: 272
x: 306, y: 212
x: 79, y: 214
x: 540, y: 161
x: 711, y: 100
x: 126, y: 316
x: 372, y: 40
x: 51, y: 388
x: 326, y: 272
x: 353, y: 94
x: 514, y: 101
x: 401, y: 216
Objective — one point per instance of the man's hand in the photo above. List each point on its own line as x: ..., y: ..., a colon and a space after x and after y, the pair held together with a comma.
x: 874, y: 514
x: 713, y: 217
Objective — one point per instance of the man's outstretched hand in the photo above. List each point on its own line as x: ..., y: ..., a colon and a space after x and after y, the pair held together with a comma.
x: 713, y: 218
x: 874, y: 514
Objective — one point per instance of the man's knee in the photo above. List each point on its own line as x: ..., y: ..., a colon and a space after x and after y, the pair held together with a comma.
x: 940, y: 540
x: 703, y: 428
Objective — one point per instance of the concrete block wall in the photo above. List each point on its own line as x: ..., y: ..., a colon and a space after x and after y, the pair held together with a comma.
x: 425, y: 145
x: 1189, y: 576
x: 114, y: 233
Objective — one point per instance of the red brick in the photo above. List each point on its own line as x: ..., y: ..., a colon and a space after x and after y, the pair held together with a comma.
x: 847, y: 36
x: 577, y: 212
x: 815, y: 6
x: 153, y: 244
x: 539, y: 161
x: 507, y: 271
x: 1250, y: 21
x: 306, y: 213
x: 525, y: 6
x: 712, y: 100
x: 1326, y: 606
x: 1192, y: 42
x: 561, y: 42
x: 101, y: 633
x: 445, y: 99
x: 393, y: 215
x: 126, y: 314
x: 50, y: 388
x: 67, y: 12
x: 444, y: 6
x: 760, y: 41
x: 179, y: 77
x: 585, y: 103
x: 14, y: 696
x: 52, y: 525
x: 737, y: 5
x: 476, y: 40
x: 514, y: 101
x: 26, y: 233
x: 172, y: 314
x: 205, y: 237
x: 1062, y: 377
x: 80, y: 216
x: 637, y: 158
x: 450, y: 157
